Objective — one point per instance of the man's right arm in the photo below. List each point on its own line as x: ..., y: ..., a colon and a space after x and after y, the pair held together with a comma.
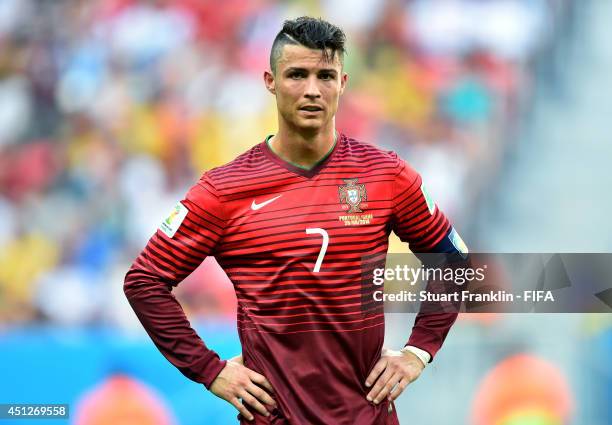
x: 189, y: 234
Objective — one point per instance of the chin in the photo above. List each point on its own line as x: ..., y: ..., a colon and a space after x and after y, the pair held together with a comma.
x: 311, y: 123
x: 309, y: 126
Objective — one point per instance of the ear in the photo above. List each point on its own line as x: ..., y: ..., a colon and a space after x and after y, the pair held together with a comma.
x: 269, y: 82
x: 343, y: 81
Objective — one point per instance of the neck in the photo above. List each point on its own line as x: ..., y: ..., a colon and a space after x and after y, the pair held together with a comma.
x: 302, y: 148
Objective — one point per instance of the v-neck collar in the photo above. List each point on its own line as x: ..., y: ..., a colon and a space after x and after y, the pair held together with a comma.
x: 305, y: 172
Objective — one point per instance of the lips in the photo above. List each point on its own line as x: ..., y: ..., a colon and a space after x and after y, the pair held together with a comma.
x: 311, y: 108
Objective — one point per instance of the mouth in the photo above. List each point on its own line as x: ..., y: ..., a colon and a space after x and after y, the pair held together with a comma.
x: 311, y: 109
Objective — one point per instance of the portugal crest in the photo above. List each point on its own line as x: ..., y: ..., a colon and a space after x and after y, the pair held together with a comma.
x: 352, y: 194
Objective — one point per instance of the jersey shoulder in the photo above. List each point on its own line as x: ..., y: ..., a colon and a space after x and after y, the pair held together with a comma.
x: 357, y: 150
x: 243, y: 164
x: 239, y: 168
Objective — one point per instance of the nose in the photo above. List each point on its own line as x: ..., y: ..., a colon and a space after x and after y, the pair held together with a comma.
x: 312, y: 88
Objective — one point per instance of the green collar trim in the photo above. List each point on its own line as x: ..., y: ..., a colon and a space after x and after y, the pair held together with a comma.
x: 301, y: 166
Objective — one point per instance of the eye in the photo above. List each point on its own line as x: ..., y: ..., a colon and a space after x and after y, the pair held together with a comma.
x: 326, y: 76
x: 296, y: 75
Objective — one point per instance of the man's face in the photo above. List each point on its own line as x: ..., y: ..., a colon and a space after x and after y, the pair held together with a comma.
x: 307, y: 88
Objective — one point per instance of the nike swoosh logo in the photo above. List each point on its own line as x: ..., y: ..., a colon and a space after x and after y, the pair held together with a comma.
x: 255, y: 206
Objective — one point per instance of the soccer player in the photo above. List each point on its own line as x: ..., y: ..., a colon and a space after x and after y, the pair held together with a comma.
x: 293, y: 222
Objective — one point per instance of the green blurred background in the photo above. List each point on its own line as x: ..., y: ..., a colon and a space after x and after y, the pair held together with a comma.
x: 110, y: 110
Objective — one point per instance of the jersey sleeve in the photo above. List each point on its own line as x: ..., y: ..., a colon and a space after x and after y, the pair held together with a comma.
x: 417, y: 220
x: 184, y: 239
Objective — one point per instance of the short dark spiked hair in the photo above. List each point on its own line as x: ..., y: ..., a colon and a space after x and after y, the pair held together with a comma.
x: 314, y: 33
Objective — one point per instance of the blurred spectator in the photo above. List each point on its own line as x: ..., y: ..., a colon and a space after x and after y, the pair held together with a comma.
x: 122, y: 400
x: 523, y: 389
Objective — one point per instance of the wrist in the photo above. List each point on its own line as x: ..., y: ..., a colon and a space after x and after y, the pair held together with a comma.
x: 422, y: 355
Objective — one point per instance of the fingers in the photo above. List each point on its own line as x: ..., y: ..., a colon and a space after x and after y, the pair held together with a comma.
x: 399, y: 389
x: 386, y: 389
x: 377, y: 370
x: 392, y: 374
x: 241, y: 408
x: 260, y: 380
x: 383, y: 386
x: 253, y: 402
x: 260, y: 394
x: 236, y: 382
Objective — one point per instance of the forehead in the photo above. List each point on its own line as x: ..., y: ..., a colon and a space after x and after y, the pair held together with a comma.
x: 295, y: 56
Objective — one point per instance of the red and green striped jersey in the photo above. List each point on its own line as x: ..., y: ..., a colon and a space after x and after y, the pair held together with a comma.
x: 295, y: 244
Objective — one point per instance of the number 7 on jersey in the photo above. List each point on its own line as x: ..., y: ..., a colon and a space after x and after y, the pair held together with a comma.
x: 322, y: 232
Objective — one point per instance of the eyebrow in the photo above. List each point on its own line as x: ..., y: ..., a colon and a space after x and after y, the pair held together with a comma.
x: 294, y: 68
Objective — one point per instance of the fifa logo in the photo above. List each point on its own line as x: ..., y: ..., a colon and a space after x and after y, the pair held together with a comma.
x: 172, y: 215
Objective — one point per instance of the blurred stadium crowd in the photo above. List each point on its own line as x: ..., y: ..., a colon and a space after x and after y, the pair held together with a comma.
x: 110, y: 109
